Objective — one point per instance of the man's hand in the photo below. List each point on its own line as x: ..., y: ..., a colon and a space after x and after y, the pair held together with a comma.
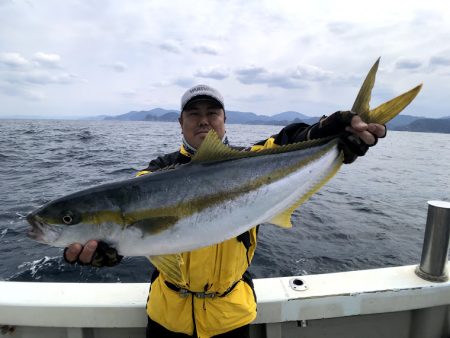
x: 78, y: 253
x: 360, y: 136
x: 356, y: 136
x: 97, y: 254
x: 368, y: 133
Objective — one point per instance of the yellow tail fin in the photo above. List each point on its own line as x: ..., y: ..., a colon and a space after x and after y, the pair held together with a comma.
x: 386, y: 111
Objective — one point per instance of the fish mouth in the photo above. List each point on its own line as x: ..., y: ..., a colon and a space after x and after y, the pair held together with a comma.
x: 37, y: 227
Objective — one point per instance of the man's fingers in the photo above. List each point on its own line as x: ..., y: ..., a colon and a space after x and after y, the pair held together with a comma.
x: 366, y: 136
x: 378, y: 130
x: 368, y: 133
x: 358, y: 124
x: 88, y: 252
x: 72, y: 252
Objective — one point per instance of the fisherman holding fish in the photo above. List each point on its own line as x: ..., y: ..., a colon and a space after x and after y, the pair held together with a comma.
x: 203, y: 239
x: 217, y: 297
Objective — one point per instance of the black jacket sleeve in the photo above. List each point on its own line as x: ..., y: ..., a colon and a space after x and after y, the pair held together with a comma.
x: 292, y: 133
x: 167, y: 160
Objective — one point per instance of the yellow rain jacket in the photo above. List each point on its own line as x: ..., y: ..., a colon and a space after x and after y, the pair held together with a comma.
x: 225, y: 301
x: 210, y: 297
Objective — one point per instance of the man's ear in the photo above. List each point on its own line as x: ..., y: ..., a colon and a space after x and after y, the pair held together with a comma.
x: 224, y: 117
x: 180, y: 120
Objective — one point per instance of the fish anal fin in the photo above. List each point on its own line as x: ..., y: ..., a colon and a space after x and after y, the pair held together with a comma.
x: 283, y: 220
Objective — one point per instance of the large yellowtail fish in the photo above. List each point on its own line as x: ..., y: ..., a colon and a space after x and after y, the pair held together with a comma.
x: 220, y: 194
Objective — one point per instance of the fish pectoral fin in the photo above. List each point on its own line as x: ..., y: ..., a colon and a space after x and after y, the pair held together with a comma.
x: 153, y: 225
x: 170, y: 266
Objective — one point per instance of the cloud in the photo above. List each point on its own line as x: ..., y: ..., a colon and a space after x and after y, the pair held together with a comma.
x: 144, y: 46
x: 439, y: 61
x: 311, y: 73
x: 171, y: 46
x: 184, y: 82
x: 259, y: 75
x: 118, y: 67
x: 20, y: 76
x: 340, y: 28
x: 24, y: 93
x: 205, y: 49
x: 42, y: 78
x: 39, y: 60
x: 47, y: 60
x: 216, y: 72
x: 128, y: 93
x: 290, y: 78
x: 13, y: 60
x: 407, y: 64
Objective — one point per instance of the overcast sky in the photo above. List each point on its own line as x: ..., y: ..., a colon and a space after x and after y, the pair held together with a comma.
x: 85, y: 58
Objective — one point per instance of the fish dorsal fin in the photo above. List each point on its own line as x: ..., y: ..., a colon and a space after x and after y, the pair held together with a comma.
x: 284, y: 219
x: 212, y: 149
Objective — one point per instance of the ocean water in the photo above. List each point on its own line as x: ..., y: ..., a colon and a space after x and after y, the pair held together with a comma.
x: 371, y: 214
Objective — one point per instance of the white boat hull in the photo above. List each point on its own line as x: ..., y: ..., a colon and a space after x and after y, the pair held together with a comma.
x: 389, y: 302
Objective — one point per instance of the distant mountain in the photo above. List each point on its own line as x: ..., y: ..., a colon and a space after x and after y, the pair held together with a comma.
x: 233, y: 117
x: 167, y: 117
x: 278, y: 119
x: 141, y: 115
x: 401, y: 122
x: 290, y: 116
x: 428, y: 126
x: 236, y: 117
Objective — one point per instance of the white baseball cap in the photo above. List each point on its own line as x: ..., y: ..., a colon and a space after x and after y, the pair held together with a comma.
x: 201, y: 92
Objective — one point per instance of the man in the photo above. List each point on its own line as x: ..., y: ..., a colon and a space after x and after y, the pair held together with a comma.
x: 216, y: 298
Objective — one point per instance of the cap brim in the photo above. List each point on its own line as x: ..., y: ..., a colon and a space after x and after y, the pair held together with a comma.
x: 201, y: 98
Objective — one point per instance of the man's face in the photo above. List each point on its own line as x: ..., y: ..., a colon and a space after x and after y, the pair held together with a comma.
x: 200, y: 117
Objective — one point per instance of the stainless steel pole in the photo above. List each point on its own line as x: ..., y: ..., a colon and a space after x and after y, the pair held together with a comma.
x: 433, y: 265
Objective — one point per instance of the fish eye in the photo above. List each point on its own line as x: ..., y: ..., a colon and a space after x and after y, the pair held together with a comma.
x: 70, y: 218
